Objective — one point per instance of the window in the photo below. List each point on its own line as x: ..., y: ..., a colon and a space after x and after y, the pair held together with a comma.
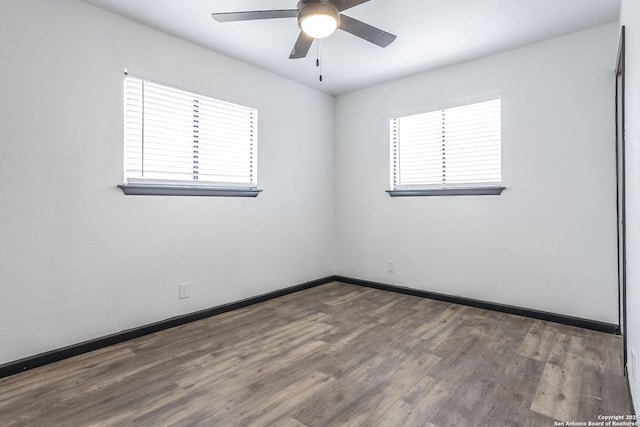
x: 181, y: 143
x: 453, y: 151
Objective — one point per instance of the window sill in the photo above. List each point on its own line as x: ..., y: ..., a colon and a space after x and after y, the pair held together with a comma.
x: 460, y: 191
x: 185, y: 190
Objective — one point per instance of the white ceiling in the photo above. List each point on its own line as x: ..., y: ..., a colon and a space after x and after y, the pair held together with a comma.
x: 430, y: 33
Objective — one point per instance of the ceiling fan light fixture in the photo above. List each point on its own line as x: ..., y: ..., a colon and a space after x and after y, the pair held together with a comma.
x: 318, y: 20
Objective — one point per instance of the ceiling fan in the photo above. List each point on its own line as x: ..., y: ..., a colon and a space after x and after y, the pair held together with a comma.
x: 317, y: 19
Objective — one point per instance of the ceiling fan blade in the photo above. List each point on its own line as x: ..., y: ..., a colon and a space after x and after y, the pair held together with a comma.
x: 347, y: 4
x: 253, y: 15
x: 366, y: 31
x: 302, y: 46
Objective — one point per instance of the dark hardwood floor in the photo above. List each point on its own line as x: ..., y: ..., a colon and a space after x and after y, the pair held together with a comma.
x: 333, y: 355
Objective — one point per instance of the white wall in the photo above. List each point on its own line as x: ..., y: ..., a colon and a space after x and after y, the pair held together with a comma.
x: 78, y: 259
x: 549, y: 241
x: 630, y: 18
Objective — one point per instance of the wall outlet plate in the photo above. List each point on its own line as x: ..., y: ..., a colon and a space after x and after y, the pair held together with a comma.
x: 183, y: 290
x: 391, y: 266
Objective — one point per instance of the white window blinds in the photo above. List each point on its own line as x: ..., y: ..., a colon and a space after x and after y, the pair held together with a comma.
x: 449, y: 148
x: 174, y: 136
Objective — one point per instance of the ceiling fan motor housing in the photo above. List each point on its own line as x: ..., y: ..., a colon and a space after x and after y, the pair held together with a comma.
x: 309, y: 8
x: 317, y: 19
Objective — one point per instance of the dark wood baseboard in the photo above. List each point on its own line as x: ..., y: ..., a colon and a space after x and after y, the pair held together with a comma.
x: 536, y: 314
x: 129, y: 334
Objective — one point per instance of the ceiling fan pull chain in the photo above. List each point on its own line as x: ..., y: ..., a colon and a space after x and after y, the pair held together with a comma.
x: 318, y: 53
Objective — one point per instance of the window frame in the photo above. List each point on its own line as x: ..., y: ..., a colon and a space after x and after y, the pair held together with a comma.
x: 160, y: 187
x: 443, y: 190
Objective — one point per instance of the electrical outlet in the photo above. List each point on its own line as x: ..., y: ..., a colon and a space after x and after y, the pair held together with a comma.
x: 633, y: 365
x: 391, y: 266
x: 183, y: 290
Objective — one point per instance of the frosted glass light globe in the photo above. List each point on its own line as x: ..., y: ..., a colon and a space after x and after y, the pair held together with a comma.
x: 318, y: 26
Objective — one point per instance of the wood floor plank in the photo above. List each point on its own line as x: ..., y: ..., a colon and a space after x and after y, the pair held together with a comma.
x: 290, y: 422
x: 371, y: 406
x: 511, y: 401
x: 558, y: 392
x: 333, y: 355
x: 268, y: 411
x: 539, y: 341
x: 238, y: 395
x: 417, y: 406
